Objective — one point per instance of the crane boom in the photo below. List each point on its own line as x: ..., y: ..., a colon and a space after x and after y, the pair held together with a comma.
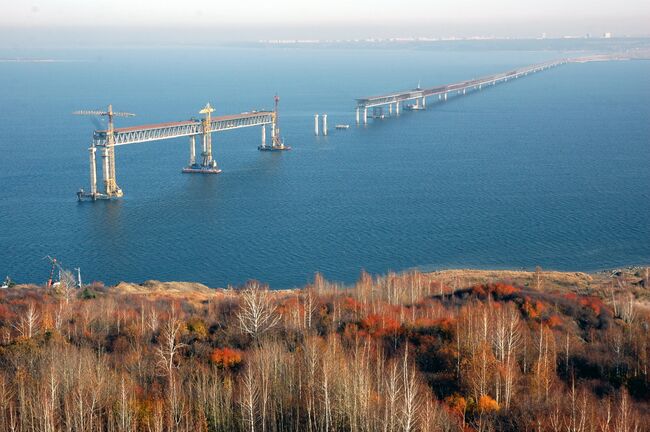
x: 103, y: 113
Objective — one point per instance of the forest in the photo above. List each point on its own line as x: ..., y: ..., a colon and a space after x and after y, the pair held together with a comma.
x: 398, y: 352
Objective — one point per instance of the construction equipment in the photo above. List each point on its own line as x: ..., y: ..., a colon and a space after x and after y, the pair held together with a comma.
x: 50, y: 280
x: 111, y: 189
x: 277, y: 144
x: 79, y: 284
x: 66, y: 279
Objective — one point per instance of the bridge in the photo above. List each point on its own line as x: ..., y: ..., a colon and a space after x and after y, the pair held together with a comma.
x: 418, y: 96
x: 107, y: 140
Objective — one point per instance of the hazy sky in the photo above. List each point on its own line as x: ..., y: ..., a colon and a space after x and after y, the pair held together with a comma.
x: 255, y: 19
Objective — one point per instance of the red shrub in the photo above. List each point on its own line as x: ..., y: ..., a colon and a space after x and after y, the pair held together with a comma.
x: 226, y: 358
x: 379, y: 325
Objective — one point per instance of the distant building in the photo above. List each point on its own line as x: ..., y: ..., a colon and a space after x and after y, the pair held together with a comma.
x: 607, y: 35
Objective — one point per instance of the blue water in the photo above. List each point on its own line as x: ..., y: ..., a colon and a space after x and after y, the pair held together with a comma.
x: 548, y: 170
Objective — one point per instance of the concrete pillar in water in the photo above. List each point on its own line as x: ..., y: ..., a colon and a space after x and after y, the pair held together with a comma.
x: 192, y: 150
x: 263, y: 135
x: 324, y: 124
x: 357, y: 115
x: 316, y: 124
x: 365, y: 115
x: 93, y: 171
x: 390, y: 109
x: 105, y: 173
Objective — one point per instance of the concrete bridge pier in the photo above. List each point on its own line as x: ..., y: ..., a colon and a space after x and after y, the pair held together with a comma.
x: 263, y: 135
x: 424, y: 102
x: 324, y: 124
x: 365, y: 115
x: 390, y: 109
x: 93, y: 171
x: 192, y: 150
x: 397, y: 108
x: 316, y: 124
x: 357, y: 115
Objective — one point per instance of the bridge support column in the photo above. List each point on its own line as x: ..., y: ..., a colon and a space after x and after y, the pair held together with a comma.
x: 439, y: 97
x: 263, y: 135
x: 445, y: 96
x: 192, y: 150
x: 93, y: 171
x: 365, y: 115
x: 105, y: 173
x: 324, y: 124
x: 207, y: 160
x: 464, y: 91
x: 358, y: 115
x: 390, y: 109
x: 424, y: 102
x: 397, y: 108
x: 316, y: 124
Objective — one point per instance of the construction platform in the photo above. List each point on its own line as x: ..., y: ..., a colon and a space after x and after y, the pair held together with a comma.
x: 201, y: 170
x: 273, y: 148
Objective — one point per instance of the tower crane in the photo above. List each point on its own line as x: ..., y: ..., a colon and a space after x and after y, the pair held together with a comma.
x: 276, y: 141
x: 111, y: 189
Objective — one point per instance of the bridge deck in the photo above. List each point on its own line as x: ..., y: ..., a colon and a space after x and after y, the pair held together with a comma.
x: 371, y: 101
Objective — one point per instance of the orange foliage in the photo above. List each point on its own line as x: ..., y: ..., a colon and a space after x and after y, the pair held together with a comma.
x: 351, y: 304
x: 486, y: 403
x: 445, y: 324
x: 554, y: 322
x: 378, y: 325
x: 593, y: 303
x: 226, y: 358
x: 498, y: 290
x: 532, y: 310
x: 457, y: 404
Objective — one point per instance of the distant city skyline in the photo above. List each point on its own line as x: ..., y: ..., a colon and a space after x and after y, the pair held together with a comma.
x: 63, y: 21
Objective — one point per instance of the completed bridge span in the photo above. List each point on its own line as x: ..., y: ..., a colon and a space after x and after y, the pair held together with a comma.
x: 419, y: 95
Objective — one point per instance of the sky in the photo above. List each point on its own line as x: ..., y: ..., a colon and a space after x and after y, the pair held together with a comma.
x: 248, y: 20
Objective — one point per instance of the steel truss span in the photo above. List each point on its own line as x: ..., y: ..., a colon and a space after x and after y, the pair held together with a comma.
x: 161, y: 131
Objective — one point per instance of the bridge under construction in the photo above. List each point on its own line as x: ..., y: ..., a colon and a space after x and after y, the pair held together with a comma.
x: 107, y: 140
x: 395, y: 101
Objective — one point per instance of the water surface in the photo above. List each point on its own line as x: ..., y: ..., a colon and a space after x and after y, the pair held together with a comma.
x: 548, y: 170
